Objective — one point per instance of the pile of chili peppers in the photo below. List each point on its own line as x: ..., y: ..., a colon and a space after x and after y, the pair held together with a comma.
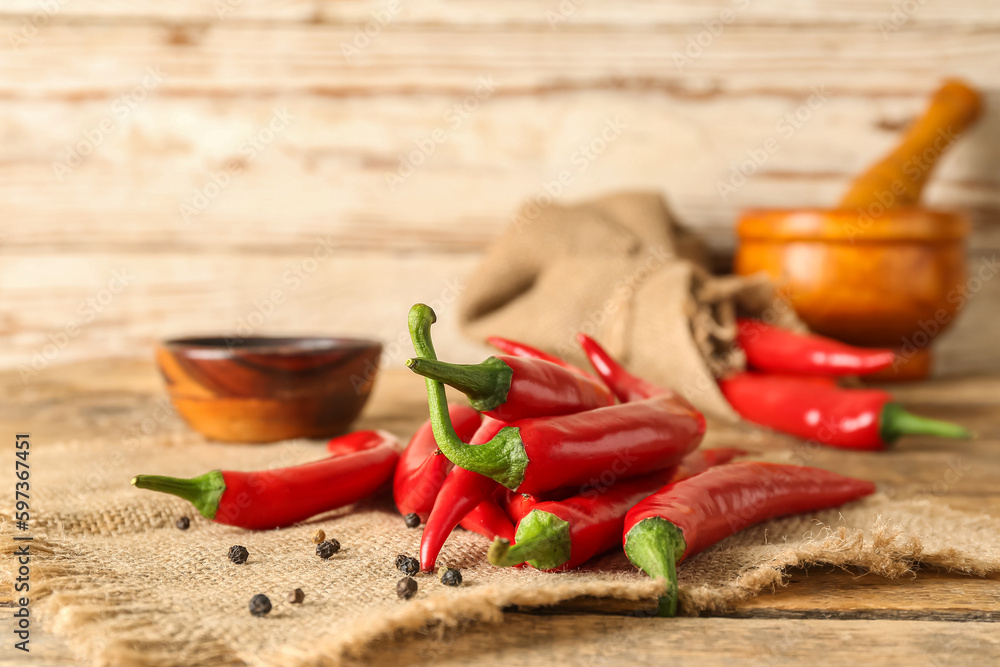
x: 559, y: 471
x: 556, y: 465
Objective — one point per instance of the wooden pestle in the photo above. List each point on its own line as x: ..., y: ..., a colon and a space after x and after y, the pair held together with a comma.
x: 898, y: 178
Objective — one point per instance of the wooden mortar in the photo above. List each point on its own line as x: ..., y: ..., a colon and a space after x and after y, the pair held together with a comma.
x: 880, y: 270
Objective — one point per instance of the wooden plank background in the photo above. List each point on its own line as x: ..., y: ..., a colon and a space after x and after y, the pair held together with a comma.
x: 115, y: 115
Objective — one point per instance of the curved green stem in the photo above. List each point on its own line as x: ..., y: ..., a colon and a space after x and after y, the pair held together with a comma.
x: 654, y: 545
x: 896, y: 422
x: 543, y: 541
x: 503, y: 458
x: 204, y: 491
x: 486, y: 384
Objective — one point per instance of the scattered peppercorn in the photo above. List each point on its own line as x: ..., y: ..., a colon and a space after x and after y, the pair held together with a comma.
x: 183, y: 523
x: 260, y: 605
x: 238, y: 554
x: 319, y: 536
x: 406, y: 588
x: 327, y: 548
x: 408, y: 565
x: 296, y: 596
x: 452, y: 577
x: 411, y: 520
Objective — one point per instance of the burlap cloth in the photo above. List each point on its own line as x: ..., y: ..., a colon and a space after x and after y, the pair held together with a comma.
x: 622, y: 270
x: 113, y: 575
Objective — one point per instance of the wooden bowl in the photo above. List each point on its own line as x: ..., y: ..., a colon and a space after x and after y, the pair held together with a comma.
x: 266, y: 389
x: 889, y: 280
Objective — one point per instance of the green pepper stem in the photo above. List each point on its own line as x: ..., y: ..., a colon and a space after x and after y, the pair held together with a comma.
x: 503, y: 458
x: 897, y: 422
x: 543, y: 541
x: 486, y: 384
x: 654, y: 545
x: 204, y: 491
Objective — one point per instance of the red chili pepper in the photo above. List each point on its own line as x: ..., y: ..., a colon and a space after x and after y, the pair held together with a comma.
x: 422, y: 468
x: 518, y: 349
x: 519, y: 504
x: 848, y: 418
x: 626, y: 387
x: 512, y: 388
x: 489, y: 520
x: 540, y: 454
x: 460, y: 494
x: 777, y: 350
x: 688, y: 516
x: 564, y: 534
x: 275, y: 498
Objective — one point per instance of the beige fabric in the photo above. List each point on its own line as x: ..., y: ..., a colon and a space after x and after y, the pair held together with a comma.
x: 114, y: 576
x: 620, y: 269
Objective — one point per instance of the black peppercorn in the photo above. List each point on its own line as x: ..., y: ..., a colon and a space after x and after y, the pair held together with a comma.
x: 406, y: 588
x: 260, y: 605
x: 238, y: 554
x: 327, y: 548
x: 408, y: 565
x: 296, y: 596
x: 451, y: 577
x: 411, y: 520
x: 183, y: 523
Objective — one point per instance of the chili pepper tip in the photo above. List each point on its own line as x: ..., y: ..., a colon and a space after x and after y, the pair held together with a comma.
x: 654, y: 545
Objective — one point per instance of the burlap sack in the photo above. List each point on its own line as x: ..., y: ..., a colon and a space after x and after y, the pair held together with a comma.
x: 114, y: 577
x: 621, y: 270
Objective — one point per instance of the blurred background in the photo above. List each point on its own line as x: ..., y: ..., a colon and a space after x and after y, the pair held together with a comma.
x: 297, y: 166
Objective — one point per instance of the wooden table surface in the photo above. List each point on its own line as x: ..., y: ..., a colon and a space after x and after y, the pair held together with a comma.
x: 932, y: 618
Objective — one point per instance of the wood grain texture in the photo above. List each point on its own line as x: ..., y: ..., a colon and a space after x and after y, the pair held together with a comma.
x: 602, y: 640
x: 648, y: 13
x: 255, y: 59
x: 835, y: 594
x: 363, y: 294
x: 323, y: 179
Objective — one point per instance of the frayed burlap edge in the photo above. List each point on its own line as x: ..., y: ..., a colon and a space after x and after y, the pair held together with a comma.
x: 886, y: 549
x: 59, y: 603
